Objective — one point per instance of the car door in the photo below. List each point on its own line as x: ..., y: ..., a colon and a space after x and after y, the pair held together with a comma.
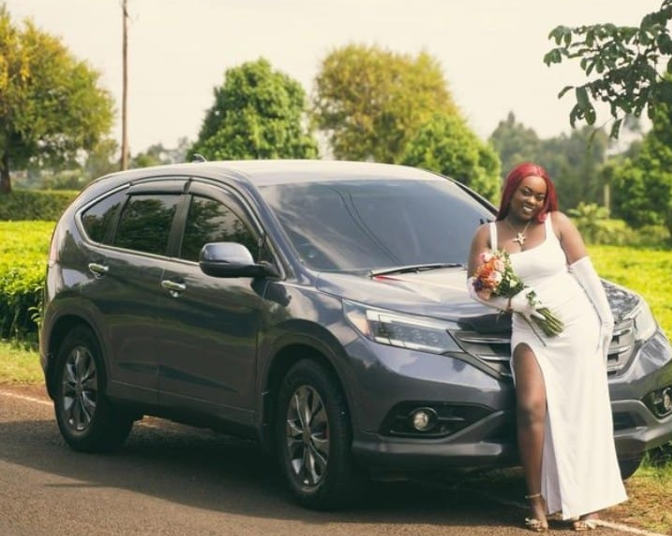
x: 208, y: 348
x: 124, y: 285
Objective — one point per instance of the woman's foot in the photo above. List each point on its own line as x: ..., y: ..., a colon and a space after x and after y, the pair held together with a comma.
x: 538, y: 521
x: 586, y: 522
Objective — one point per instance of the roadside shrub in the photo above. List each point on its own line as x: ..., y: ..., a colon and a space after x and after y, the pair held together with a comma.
x: 46, y: 205
x: 613, y: 232
x: 23, y: 256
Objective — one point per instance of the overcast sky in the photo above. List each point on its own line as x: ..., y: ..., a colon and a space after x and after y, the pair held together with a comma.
x: 491, y: 51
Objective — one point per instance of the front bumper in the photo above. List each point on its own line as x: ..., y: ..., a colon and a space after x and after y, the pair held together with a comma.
x: 396, y: 375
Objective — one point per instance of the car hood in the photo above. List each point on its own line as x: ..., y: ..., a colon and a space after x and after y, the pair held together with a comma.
x: 439, y: 293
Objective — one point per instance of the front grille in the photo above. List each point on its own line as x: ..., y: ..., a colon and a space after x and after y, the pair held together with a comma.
x: 495, y: 349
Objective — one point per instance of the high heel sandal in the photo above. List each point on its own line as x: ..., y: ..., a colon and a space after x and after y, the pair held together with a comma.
x: 535, y: 525
x: 581, y: 525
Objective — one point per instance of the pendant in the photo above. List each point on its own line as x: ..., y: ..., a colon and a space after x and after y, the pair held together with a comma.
x: 520, y: 238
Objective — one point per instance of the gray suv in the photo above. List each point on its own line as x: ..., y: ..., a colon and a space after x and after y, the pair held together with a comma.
x: 318, y: 307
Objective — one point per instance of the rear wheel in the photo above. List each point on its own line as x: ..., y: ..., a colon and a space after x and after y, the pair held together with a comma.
x: 87, y: 420
x: 314, y: 439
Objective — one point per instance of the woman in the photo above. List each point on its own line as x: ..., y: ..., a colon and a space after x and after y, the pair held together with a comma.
x: 565, y: 433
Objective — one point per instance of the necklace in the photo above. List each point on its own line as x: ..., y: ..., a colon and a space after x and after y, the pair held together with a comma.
x: 520, y: 235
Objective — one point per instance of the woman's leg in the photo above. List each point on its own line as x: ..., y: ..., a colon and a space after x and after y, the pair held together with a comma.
x: 531, y: 416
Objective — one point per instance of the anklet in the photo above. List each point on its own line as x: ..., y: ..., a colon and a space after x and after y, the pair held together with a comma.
x: 533, y: 496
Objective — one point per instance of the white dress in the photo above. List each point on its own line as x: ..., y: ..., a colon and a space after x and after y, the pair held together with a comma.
x: 580, y: 472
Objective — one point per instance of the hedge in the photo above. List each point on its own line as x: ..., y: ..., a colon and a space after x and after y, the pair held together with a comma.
x: 23, y: 258
x: 45, y: 205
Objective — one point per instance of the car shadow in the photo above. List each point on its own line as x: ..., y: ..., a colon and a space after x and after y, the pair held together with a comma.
x: 203, y: 469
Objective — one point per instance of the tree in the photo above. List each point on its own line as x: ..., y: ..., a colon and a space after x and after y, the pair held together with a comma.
x: 574, y: 163
x: 370, y: 101
x: 515, y: 143
x: 51, y: 106
x: 446, y: 145
x: 643, y: 186
x: 626, y: 62
x: 258, y: 113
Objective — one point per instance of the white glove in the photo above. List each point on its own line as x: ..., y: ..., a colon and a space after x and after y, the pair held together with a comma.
x: 498, y: 302
x: 585, y: 274
x: 520, y: 303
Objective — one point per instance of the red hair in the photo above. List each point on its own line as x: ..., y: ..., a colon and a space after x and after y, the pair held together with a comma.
x: 513, y: 180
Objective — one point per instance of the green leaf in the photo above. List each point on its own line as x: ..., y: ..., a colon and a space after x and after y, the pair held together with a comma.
x: 582, y: 97
x: 564, y: 90
x: 590, y: 114
x: 615, y: 129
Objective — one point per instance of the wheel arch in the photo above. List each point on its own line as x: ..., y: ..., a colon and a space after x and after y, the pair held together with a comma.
x: 287, y: 356
x: 64, y: 325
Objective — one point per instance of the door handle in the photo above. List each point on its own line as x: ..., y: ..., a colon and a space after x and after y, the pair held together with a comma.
x: 173, y: 288
x: 98, y: 270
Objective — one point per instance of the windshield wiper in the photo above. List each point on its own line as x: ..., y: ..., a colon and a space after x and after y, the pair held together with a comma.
x: 415, y: 268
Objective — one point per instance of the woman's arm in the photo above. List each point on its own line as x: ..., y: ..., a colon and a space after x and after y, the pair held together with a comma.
x: 479, y: 243
x: 569, y: 236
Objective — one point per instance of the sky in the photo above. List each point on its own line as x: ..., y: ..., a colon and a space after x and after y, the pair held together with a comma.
x: 491, y: 51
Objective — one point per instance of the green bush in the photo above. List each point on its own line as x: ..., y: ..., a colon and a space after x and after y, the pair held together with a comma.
x: 23, y: 256
x: 46, y: 205
x: 612, y: 232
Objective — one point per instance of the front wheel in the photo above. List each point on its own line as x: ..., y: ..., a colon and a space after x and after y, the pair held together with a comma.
x: 314, y: 439
x: 87, y: 420
x: 629, y: 467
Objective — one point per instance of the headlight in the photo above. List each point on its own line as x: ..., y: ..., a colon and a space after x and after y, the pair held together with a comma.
x: 645, y: 324
x: 397, y: 329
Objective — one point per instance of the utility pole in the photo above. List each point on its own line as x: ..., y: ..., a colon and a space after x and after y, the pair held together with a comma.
x: 124, y: 96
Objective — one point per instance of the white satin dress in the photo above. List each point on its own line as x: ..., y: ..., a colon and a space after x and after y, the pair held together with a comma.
x: 580, y: 472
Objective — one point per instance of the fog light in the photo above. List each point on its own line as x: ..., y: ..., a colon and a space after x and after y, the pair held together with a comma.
x: 666, y: 400
x: 423, y: 419
x: 660, y: 402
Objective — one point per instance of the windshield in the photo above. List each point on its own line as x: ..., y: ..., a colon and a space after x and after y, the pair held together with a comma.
x: 371, y: 224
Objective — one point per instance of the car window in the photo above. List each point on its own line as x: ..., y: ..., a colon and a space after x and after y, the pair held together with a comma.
x: 145, y: 222
x: 209, y: 220
x: 376, y: 223
x: 99, y: 218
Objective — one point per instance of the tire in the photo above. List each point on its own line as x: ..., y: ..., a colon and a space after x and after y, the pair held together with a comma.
x: 86, y: 419
x: 315, y: 450
x: 629, y: 467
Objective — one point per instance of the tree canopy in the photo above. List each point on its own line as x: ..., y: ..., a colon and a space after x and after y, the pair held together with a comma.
x: 51, y: 105
x: 370, y: 101
x: 257, y: 113
x: 643, y: 185
x: 573, y: 161
x: 626, y: 63
x: 445, y: 144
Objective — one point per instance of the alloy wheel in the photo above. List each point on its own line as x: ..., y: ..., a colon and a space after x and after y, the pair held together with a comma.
x: 80, y: 388
x: 307, y: 436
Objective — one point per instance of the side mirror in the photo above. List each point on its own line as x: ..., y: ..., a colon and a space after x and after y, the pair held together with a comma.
x: 230, y: 259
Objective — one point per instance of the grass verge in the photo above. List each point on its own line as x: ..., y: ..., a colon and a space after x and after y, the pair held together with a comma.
x: 647, y: 506
x: 19, y: 363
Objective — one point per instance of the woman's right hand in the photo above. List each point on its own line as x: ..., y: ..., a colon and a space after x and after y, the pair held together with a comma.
x: 520, y: 303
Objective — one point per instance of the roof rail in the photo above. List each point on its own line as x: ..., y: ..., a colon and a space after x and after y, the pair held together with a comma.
x: 198, y: 158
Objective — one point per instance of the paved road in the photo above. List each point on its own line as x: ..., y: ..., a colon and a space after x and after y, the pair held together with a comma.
x: 173, y: 480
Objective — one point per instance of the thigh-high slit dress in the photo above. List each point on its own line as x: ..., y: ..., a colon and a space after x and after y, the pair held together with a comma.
x: 580, y: 472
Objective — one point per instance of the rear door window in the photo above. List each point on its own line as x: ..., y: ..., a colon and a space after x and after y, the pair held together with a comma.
x: 145, y: 223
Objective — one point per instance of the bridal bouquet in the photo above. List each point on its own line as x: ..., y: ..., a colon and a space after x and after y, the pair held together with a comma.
x: 495, y: 277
